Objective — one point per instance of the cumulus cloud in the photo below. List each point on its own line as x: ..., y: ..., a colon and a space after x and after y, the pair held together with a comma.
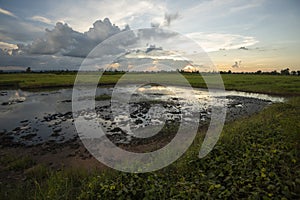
x: 193, y: 68
x: 64, y: 48
x: 114, y: 66
x: 63, y: 40
x: 189, y: 68
x: 237, y: 64
x: 59, y: 47
x: 102, y: 30
x: 82, y: 14
x: 7, y: 48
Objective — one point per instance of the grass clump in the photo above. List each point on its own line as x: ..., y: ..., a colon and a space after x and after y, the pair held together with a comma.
x: 11, y: 162
x: 103, y: 97
x: 21, y: 164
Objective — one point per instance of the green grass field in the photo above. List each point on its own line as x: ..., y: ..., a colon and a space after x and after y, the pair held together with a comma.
x: 257, y: 157
x: 271, y: 84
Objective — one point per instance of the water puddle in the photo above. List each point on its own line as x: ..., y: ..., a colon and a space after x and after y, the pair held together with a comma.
x: 31, y: 118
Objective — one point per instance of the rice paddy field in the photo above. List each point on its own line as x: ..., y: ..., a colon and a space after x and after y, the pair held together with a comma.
x: 270, y: 84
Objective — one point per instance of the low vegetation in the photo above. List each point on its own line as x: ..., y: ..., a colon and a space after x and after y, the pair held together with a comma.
x: 256, y: 158
x: 271, y: 84
x: 12, y: 162
x: 103, y: 97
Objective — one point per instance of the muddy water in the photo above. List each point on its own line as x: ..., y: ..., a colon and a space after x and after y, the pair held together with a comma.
x: 30, y: 118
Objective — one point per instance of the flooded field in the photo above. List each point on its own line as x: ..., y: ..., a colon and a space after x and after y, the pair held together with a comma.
x: 32, y: 118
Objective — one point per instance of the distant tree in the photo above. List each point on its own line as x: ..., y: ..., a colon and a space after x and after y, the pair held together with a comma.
x: 28, y: 70
x: 258, y: 72
x: 229, y: 72
x: 285, y: 71
x: 298, y: 72
x: 274, y: 72
x: 293, y: 73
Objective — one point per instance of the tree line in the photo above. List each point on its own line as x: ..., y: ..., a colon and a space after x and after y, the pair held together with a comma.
x: 285, y: 71
x: 274, y: 72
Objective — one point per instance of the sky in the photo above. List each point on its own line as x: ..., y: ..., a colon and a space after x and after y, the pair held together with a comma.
x: 238, y: 35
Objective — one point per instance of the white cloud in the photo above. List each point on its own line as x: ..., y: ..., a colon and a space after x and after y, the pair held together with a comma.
x: 82, y: 14
x: 217, y: 8
x: 7, y: 47
x: 216, y: 41
x: 155, y: 54
x: 41, y: 19
x: 63, y: 40
x: 102, y: 30
x: 6, y: 12
x: 114, y: 66
x: 190, y: 68
x: 251, y: 4
x: 215, y: 15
